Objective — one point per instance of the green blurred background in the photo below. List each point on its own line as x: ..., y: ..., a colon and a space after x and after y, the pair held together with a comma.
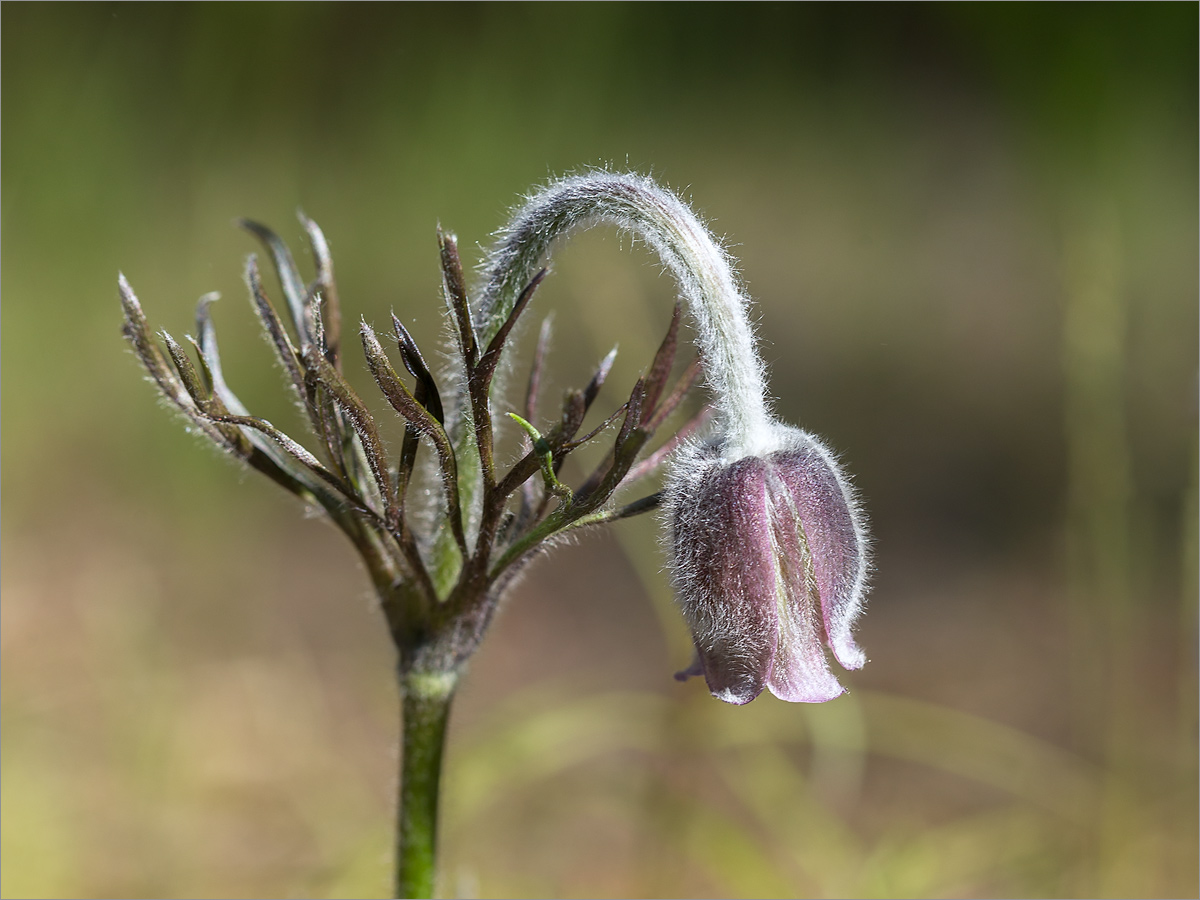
x: 972, y: 235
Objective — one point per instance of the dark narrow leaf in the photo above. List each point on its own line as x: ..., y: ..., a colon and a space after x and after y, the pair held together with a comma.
x: 294, y: 449
x: 687, y: 381
x: 187, y: 371
x: 456, y: 296
x: 336, y: 434
x: 579, y: 442
x: 303, y: 488
x: 482, y: 377
x: 206, y: 376
x: 597, y: 382
x: 404, y: 468
x: 395, y: 390
x: 637, y: 507
x: 664, y: 360
x: 427, y: 394
x: 271, y: 323
x: 633, y: 413
x: 359, y: 468
x: 331, y: 317
x: 312, y: 306
x: 137, y: 331
x: 573, y: 411
x: 652, y: 462
x: 289, y: 277
x: 323, y: 372
x: 607, y: 480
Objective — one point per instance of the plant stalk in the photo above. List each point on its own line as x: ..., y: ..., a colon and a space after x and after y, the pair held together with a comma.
x: 426, y: 710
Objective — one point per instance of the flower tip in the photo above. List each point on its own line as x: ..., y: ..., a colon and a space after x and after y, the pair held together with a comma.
x: 824, y: 691
x: 848, y: 654
x: 728, y: 683
x: 735, y: 696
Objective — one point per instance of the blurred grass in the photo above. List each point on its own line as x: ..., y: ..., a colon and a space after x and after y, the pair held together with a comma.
x: 972, y: 233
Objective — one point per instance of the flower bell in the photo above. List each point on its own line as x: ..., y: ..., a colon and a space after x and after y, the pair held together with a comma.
x: 769, y: 561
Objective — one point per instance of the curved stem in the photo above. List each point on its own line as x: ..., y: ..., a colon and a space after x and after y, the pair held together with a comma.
x: 732, y: 366
x: 427, y: 698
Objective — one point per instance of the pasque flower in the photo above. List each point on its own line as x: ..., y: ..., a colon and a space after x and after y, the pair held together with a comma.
x: 769, y: 565
x: 768, y: 546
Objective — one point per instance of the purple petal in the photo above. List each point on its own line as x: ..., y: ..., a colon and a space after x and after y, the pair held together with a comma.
x: 725, y: 577
x: 835, y: 542
x: 800, y: 672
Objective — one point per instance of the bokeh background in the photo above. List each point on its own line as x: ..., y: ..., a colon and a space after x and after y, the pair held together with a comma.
x: 972, y: 234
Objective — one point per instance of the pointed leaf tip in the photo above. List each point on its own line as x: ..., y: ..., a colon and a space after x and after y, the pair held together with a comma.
x: 598, y: 379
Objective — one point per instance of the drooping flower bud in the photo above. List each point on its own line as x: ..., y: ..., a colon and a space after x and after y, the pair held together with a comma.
x: 769, y: 563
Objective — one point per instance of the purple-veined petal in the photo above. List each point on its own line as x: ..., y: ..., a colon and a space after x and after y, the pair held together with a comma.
x: 834, y: 541
x: 725, y: 577
x: 799, y: 671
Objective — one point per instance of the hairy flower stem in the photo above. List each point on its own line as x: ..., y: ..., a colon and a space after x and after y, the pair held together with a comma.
x: 707, y: 284
x: 427, y: 699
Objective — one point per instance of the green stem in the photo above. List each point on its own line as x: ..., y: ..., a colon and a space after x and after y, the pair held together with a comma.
x: 427, y: 699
